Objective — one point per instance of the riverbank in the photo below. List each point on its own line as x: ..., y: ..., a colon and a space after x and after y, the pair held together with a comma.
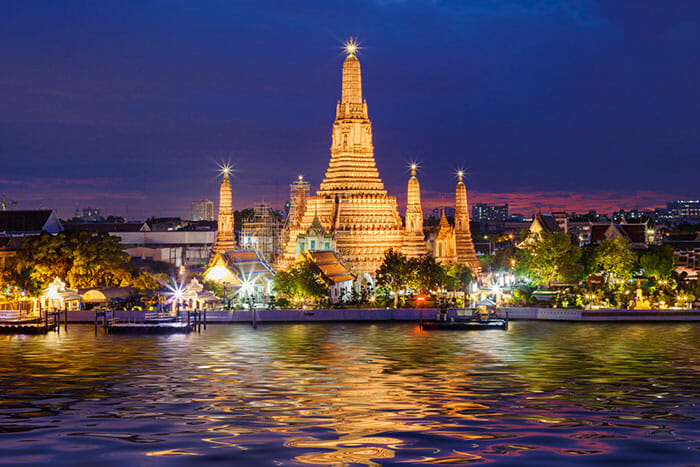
x: 407, y: 314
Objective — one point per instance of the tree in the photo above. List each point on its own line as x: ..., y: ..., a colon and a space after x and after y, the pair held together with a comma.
x: 80, y: 258
x: 427, y: 273
x: 551, y: 257
x: 658, y: 261
x: 394, y: 273
x: 302, y: 281
x: 614, y: 258
x: 462, y: 273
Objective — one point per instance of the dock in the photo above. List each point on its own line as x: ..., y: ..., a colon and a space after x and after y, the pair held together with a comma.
x: 138, y: 322
x: 21, y: 322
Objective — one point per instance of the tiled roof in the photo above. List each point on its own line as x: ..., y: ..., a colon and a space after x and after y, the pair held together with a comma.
x: 332, y: 266
x: 548, y: 223
x: 103, y: 227
x: 24, y: 221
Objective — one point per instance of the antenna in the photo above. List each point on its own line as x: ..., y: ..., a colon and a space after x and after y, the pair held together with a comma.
x: 4, y: 202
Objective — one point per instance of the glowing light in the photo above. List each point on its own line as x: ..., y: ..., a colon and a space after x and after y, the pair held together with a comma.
x: 225, y: 169
x: 351, y: 46
x: 301, y: 177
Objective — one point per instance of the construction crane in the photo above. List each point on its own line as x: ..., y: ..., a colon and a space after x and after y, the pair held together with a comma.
x: 4, y: 202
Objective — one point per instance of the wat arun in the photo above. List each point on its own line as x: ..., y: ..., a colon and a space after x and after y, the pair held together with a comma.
x: 351, y: 202
x: 352, y: 205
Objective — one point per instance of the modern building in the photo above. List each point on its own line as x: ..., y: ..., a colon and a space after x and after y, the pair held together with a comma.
x: 689, y: 209
x: 490, y: 212
x: 203, y: 210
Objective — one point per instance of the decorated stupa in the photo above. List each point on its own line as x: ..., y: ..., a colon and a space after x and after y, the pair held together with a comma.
x: 225, y: 239
x: 414, y: 239
x: 351, y: 202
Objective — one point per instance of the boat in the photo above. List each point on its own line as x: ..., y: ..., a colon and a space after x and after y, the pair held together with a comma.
x: 467, y: 320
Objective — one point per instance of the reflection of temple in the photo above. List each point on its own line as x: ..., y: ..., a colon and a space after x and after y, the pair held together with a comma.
x: 351, y: 203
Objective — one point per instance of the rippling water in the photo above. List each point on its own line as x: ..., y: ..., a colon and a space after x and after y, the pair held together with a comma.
x: 355, y: 394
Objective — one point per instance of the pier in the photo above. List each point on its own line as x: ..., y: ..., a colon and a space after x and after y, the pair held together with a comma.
x: 22, y: 322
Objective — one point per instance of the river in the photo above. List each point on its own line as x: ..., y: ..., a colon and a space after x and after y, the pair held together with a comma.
x: 540, y: 393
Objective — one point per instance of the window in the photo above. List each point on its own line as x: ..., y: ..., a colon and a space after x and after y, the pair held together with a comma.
x: 313, y: 244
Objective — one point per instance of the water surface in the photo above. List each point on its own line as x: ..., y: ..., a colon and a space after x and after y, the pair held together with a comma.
x: 355, y: 394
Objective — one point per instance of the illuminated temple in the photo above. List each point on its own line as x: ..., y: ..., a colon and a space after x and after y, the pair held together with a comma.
x: 352, y: 206
x: 351, y: 203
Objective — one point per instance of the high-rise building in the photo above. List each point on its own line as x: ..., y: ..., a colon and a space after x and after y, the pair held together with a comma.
x: 684, y: 209
x: 490, y: 212
x: 203, y: 210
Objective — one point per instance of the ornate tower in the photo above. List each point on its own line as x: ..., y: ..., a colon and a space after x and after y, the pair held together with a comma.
x: 224, y: 235
x: 414, y: 239
x: 463, y: 237
x: 351, y: 202
x: 444, y: 243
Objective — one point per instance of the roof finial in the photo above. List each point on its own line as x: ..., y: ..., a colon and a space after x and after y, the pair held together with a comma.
x: 351, y: 46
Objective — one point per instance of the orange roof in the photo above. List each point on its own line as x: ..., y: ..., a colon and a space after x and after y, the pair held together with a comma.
x: 332, y: 266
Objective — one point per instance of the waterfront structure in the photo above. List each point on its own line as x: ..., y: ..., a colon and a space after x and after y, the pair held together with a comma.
x: 245, y: 270
x: 414, y: 238
x: 351, y: 203
x: 194, y: 297
x: 203, y: 210
x: 225, y: 239
x: 56, y: 296
x: 464, y: 246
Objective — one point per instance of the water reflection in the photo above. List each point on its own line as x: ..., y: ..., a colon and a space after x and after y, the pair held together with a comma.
x: 540, y: 393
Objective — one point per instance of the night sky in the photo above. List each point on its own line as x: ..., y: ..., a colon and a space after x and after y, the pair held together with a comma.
x: 568, y: 104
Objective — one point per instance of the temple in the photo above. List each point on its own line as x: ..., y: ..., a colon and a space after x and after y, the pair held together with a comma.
x: 351, y: 203
x: 225, y: 239
x: 414, y: 238
x: 463, y: 236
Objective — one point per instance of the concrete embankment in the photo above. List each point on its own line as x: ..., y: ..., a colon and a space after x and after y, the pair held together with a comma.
x: 560, y: 314
x: 408, y: 314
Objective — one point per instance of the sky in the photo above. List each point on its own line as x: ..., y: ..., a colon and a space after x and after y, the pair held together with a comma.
x: 130, y: 105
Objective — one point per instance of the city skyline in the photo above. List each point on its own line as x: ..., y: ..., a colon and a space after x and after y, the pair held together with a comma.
x: 108, y: 107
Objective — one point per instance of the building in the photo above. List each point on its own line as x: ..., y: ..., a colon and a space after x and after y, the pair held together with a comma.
x: 261, y: 231
x: 463, y: 238
x: 316, y: 238
x: 448, y: 211
x: 203, y: 210
x: 414, y: 238
x: 337, y: 275
x: 685, y: 210
x: 490, y: 212
x: 191, y: 248
x: 22, y: 223
x: 443, y: 242
x: 636, y: 234
x: 249, y: 275
x: 225, y: 239
x: 351, y: 202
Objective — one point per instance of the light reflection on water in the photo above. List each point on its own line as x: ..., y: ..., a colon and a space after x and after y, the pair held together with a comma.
x: 362, y: 394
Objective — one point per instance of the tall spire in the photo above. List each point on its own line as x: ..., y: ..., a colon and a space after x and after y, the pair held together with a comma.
x: 224, y: 235
x: 352, y: 169
x: 414, y: 239
x: 463, y: 237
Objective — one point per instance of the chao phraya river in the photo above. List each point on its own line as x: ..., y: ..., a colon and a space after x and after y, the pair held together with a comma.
x: 541, y: 393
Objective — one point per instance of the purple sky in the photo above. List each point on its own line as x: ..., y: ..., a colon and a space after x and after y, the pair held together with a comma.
x: 546, y: 104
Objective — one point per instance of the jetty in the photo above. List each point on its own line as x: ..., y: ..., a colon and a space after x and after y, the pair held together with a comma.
x: 22, y: 322
x: 149, y: 322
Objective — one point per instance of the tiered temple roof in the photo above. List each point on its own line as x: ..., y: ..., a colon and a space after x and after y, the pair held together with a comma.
x: 351, y: 202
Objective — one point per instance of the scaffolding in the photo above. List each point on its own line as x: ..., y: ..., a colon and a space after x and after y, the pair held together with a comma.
x: 294, y: 200
x: 261, y: 231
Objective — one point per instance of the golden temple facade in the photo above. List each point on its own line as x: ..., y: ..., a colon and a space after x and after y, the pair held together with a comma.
x: 225, y: 239
x: 414, y: 239
x: 351, y: 202
x: 463, y: 237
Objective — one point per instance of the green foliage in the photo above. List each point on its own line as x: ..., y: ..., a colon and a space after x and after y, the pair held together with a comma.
x: 426, y: 273
x: 394, y: 273
x: 658, y: 261
x: 461, y: 273
x: 551, y: 257
x: 614, y: 258
x: 80, y: 258
x: 487, y: 262
x: 303, y: 281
